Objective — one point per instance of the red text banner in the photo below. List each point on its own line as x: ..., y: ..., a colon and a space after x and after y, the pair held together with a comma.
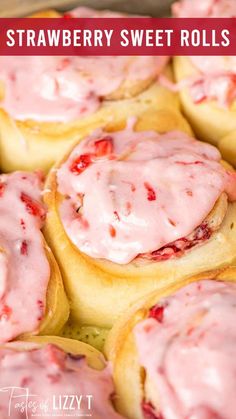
x: 118, y: 36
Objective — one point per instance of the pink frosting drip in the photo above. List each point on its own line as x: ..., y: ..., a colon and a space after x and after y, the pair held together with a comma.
x: 129, y: 193
x: 187, y: 348
x: 67, y: 88
x: 51, y: 375
x: 24, y: 269
x: 217, y: 80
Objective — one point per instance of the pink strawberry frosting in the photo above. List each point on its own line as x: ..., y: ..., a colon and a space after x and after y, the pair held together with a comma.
x: 47, y: 382
x: 187, y: 347
x: 66, y: 88
x: 128, y: 193
x: 24, y: 268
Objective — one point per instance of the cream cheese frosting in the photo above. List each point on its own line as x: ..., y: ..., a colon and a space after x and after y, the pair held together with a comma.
x: 24, y: 268
x: 127, y: 193
x: 63, y: 89
x: 48, y: 382
x: 187, y: 347
x: 217, y: 79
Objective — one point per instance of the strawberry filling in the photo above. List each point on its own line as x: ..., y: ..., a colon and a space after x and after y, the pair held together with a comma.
x: 178, y: 247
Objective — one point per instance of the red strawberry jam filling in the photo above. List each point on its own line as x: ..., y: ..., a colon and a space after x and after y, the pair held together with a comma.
x: 187, y: 347
x: 62, y: 382
x: 139, y: 194
x: 180, y: 246
x: 24, y: 267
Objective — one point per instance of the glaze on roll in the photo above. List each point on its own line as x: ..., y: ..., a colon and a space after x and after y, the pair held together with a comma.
x: 53, y: 383
x: 24, y: 265
x: 187, y: 347
x: 130, y: 194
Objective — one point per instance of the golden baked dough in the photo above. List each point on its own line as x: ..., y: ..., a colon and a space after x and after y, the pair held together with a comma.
x: 227, y: 147
x: 57, y: 306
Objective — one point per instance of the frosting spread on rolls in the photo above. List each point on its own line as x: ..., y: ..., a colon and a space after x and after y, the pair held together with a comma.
x: 24, y: 268
x: 127, y: 193
x: 205, y: 8
x: 217, y: 80
x: 187, y: 347
x: 67, y: 88
x: 61, y: 383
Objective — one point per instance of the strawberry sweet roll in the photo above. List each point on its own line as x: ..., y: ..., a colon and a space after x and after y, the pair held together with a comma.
x: 207, y: 84
x: 173, y: 355
x: 55, y: 377
x: 48, y: 103
x: 134, y: 210
x: 32, y: 297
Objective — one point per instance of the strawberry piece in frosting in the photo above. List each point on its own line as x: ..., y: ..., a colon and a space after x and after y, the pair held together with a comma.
x: 157, y: 313
x: 24, y: 268
x: 104, y: 146
x: 217, y: 78
x: 189, y: 357
x: 149, y: 411
x: 50, y: 379
x: 144, y: 196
